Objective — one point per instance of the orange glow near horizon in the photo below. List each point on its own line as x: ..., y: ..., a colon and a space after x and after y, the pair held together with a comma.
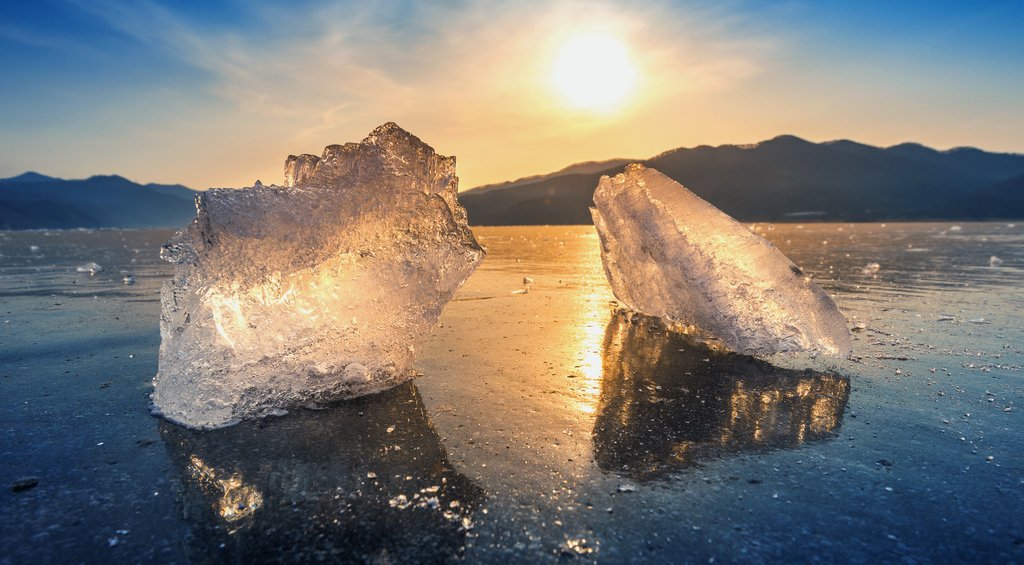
x: 511, y: 91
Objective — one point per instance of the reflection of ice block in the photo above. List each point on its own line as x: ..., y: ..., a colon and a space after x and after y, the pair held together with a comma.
x: 669, y: 254
x: 669, y: 403
x: 316, y: 291
x: 360, y: 480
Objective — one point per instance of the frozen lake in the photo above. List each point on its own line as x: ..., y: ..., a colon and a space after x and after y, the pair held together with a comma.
x: 544, y: 426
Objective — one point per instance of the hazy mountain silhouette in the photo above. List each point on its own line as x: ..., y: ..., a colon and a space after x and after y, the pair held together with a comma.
x: 30, y: 176
x: 785, y: 178
x: 578, y: 168
x: 991, y: 201
x: 32, y: 200
x: 788, y: 178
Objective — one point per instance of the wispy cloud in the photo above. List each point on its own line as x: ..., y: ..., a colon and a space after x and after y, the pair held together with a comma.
x: 472, y: 65
x: 471, y: 78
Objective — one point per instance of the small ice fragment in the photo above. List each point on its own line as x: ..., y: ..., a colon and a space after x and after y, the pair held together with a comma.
x: 128, y: 279
x: 994, y: 261
x: 955, y: 228
x: 91, y: 267
x: 669, y: 254
x: 977, y: 321
x: 946, y: 318
x: 33, y: 248
x: 871, y: 269
x: 521, y: 291
x: 357, y: 373
x: 267, y: 278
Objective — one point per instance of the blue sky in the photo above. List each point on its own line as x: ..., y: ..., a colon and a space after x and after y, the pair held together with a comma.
x: 218, y: 93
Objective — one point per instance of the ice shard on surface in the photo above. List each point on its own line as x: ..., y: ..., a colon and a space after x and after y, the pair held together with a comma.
x: 315, y: 291
x: 668, y: 253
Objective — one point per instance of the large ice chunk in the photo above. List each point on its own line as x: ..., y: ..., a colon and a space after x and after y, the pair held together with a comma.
x: 315, y: 291
x: 669, y: 254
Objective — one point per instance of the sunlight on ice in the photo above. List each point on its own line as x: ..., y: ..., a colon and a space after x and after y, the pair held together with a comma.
x: 315, y: 291
x: 671, y: 255
x: 236, y: 500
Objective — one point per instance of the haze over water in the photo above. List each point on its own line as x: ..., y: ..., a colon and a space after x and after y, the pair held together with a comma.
x: 543, y: 423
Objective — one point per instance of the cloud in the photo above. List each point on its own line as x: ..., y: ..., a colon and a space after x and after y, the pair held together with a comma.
x: 446, y: 58
x: 473, y: 73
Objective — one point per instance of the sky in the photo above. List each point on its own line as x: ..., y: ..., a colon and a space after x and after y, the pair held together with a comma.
x: 218, y: 93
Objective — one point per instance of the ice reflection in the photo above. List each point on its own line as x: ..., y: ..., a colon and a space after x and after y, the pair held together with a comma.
x: 667, y: 402
x: 236, y: 500
x: 364, y: 480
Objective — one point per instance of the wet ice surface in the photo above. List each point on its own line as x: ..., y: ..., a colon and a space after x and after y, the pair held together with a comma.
x: 559, y: 427
x: 670, y: 254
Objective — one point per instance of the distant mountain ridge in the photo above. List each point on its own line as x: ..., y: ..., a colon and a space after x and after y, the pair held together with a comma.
x: 782, y: 179
x: 578, y: 168
x: 34, y: 201
x: 787, y: 178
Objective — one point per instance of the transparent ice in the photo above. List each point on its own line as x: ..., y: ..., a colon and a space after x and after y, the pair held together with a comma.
x: 669, y: 254
x: 91, y: 267
x: 315, y: 291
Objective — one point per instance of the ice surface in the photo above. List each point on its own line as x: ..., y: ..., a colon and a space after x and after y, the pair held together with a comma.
x: 313, y: 292
x: 669, y: 254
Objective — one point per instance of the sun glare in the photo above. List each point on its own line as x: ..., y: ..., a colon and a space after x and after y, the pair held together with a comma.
x: 593, y: 72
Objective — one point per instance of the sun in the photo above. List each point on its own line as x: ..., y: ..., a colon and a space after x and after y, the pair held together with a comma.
x: 593, y: 71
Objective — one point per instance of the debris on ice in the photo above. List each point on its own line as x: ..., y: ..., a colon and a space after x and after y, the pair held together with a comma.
x: 994, y: 261
x: 313, y: 291
x: 669, y: 254
x: 91, y: 267
x: 871, y: 269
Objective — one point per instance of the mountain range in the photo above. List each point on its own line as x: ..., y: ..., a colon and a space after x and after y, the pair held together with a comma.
x: 787, y: 178
x: 33, y: 201
x: 782, y: 179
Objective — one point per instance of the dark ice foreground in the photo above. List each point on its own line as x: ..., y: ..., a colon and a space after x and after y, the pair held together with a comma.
x: 545, y: 425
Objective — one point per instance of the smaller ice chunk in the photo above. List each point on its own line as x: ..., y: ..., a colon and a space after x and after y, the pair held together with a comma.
x: 91, y: 267
x: 994, y: 261
x: 871, y: 269
x: 669, y: 254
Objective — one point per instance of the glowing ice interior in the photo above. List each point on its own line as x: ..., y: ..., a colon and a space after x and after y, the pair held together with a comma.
x: 314, y: 291
x: 668, y: 253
